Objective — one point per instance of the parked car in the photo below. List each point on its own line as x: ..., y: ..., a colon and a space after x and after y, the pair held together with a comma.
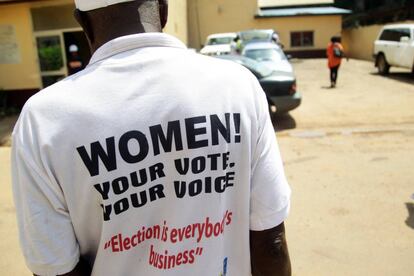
x: 394, y: 47
x: 256, y: 36
x: 279, y: 86
x: 269, y: 54
x: 218, y: 44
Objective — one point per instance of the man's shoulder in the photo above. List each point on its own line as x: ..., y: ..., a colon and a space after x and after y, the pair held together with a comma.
x: 51, y: 97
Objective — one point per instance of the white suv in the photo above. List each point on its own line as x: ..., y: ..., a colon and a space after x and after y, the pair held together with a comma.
x: 218, y: 44
x: 395, y: 47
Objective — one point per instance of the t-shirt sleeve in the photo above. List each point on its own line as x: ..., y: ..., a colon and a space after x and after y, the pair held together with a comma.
x: 46, y: 233
x: 270, y: 192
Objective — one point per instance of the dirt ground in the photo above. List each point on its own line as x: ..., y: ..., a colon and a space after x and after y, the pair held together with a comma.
x: 347, y: 153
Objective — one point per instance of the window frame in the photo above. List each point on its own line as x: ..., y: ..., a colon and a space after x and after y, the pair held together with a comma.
x: 302, y: 39
x: 63, y: 71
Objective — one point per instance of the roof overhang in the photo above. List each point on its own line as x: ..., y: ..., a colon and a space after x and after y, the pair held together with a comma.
x: 15, y: 1
x: 289, y: 3
x: 28, y: 1
x: 300, y: 11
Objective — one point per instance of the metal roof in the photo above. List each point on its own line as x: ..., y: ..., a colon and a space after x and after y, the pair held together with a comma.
x: 278, y: 12
x: 281, y: 3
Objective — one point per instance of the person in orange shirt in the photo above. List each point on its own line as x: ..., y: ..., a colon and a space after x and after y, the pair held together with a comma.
x: 335, y: 53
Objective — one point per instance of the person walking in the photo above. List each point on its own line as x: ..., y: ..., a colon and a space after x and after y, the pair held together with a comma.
x: 152, y: 160
x: 75, y: 63
x: 335, y: 53
x: 235, y: 46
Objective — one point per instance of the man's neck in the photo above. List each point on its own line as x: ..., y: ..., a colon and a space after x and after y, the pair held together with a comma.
x: 128, y: 19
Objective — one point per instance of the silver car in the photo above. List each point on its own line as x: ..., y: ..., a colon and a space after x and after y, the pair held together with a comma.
x: 269, y: 54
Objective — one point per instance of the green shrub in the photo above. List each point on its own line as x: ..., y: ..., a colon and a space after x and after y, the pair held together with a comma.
x: 50, y: 58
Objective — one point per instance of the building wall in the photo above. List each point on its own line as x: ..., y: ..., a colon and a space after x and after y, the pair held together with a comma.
x: 359, y: 42
x: 177, y: 20
x: 324, y: 27
x: 53, y: 15
x: 25, y: 73
x: 24, y: 76
x: 217, y: 16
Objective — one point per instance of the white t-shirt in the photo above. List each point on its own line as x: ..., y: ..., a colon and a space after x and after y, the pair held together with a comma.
x: 151, y: 161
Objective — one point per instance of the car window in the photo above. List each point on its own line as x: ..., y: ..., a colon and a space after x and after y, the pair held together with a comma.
x: 256, y: 36
x: 389, y: 35
x: 259, y: 70
x: 219, y: 41
x: 384, y: 35
x: 266, y: 54
x: 395, y: 34
x: 404, y: 32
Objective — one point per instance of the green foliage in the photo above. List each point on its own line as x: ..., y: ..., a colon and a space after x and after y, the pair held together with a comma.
x: 370, y: 12
x: 50, y: 58
x: 345, y: 4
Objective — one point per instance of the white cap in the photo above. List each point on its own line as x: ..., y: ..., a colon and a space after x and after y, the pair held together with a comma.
x: 73, y: 48
x: 87, y: 5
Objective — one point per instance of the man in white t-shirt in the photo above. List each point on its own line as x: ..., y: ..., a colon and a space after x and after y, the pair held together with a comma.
x: 151, y: 161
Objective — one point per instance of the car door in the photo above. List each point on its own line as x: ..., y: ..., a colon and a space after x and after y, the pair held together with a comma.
x: 405, y: 53
x: 385, y: 44
x: 393, y: 47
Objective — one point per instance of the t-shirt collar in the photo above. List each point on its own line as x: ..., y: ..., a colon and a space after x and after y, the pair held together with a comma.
x: 134, y: 41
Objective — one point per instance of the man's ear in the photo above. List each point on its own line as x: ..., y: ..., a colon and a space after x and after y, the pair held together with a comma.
x: 163, y: 4
x: 83, y: 20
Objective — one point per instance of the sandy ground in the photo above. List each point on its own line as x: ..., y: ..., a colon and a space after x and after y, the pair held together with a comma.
x: 347, y: 153
x: 349, y: 162
x: 11, y: 261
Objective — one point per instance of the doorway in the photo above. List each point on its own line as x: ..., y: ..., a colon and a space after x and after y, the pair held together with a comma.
x: 53, y: 53
x: 76, y: 40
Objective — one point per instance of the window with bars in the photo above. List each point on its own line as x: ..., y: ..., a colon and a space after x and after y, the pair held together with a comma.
x: 301, y: 39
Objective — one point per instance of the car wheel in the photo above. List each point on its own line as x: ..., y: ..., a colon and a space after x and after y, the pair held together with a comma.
x: 382, y: 65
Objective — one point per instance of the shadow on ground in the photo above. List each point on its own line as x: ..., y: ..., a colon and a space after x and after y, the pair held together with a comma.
x: 295, y: 60
x: 410, y: 219
x: 283, y: 122
x: 406, y: 77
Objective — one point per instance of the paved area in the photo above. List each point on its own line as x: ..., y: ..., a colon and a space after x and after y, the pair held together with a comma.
x: 11, y: 261
x: 347, y: 153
